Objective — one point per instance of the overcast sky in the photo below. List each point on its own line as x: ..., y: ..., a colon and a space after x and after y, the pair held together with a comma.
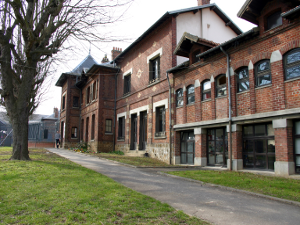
x: 138, y: 18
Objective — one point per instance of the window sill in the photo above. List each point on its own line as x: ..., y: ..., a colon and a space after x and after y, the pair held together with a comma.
x: 155, y: 82
x: 108, y: 133
x: 206, y: 100
x: 272, y: 29
x: 220, y: 97
x: 158, y: 138
x: 191, y: 104
x: 75, y: 107
x: 126, y: 95
x: 74, y: 138
x: 293, y: 79
x: 121, y: 140
x: 178, y: 107
x: 263, y: 86
x: 242, y: 92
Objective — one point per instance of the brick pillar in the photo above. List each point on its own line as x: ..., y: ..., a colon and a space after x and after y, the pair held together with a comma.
x: 127, y: 126
x: 150, y: 121
x: 233, y: 94
x: 213, y: 99
x: 200, y: 147
x: 252, y: 90
x: 184, y: 112
x: 284, y: 155
x: 177, y: 147
x: 237, y: 147
x: 198, y: 110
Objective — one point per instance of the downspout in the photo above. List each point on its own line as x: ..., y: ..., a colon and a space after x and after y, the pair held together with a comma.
x: 229, y: 99
x: 170, y: 118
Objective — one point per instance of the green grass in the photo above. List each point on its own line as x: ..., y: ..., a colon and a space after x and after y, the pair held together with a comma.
x: 273, y: 186
x: 52, y: 190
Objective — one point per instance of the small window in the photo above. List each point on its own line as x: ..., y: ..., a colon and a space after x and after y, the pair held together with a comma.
x: 160, y: 129
x: 46, y: 134
x: 75, y: 102
x: 121, y: 130
x: 190, y: 94
x: 154, y: 70
x: 274, y: 20
x: 74, y: 132
x: 94, y: 90
x: 88, y: 93
x: 127, y: 81
x: 64, y: 102
x: 221, y: 86
x: 195, y: 58
x: 292, y: 64
x: 263, y: 73
x: 93, y: 127
x: 108, y: 126
x: 179, y: 97
x: 243, y: 79
x: 206, y: 90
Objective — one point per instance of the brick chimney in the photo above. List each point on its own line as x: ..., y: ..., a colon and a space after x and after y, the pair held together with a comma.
x: 105, y: 59
x: 203, y: 2
x: 55, y: 111
x: 115, y: 52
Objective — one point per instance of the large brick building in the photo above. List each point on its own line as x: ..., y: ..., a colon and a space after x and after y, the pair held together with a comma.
x: 167, y: 93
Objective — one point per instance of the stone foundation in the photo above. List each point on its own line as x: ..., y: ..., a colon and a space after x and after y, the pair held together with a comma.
x: 159, y: 151
x: 122, y: 147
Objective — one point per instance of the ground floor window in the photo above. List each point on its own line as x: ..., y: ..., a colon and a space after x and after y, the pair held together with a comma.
x: 259, y: 146
x: 187, y: 150
x: 108, y: 126
x: 74, y: 132
x: 121, y: 129
x: 217, y: 146
x: 297, y: 146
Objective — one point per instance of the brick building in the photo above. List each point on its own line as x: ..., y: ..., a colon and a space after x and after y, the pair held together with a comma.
x: 258, y: 117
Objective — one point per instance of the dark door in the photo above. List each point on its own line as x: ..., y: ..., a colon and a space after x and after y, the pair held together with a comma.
x: 143, y: 130
x: 217, y: 148
x: 187, y: 150
x: 133, y: 132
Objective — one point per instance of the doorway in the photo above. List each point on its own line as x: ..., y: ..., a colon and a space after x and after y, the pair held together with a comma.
x: 143, y: 130
x: 133, y: 132
x: 217, y: 147
x: 187, y: 150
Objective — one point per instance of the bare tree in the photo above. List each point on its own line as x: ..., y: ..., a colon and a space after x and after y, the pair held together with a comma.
x: 31, y: 33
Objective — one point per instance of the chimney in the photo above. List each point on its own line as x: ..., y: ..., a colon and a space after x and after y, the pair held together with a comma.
x: 105, y: 59
x: 115, y: 52
x: 203, y: 2
x: 55, y: 110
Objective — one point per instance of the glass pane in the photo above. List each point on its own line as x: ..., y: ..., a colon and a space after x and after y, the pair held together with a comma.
x: 183, y: 147
x: 274, y: 20
x: 190, y: 159
x: 260, y: 162
x: 297, y: 146
x: 271, y: 145
x: 297, y: 125
x: 221, y: 80
x: 206, y: 85
x: 270, y: 130
x: 179, y: 93
x: 297, y: 160
x: 219, y: 159
x: 243, y: 74
x: 191, y: 136
x: 219, y: 134
x: 243, y: 85
x: 259, y: 130
x: 264, y: 80
x: 293, y: 72
x: 293, y: 57
x: 271, y: 160
x: 260, y: 146
x: 183, y: 158
x: 248, y: 146
x: 206, y: 95
x: 248, y: 161
x: 191, y: 90
x: 221, y: 91
x: 211, y: 134
x: 220, y: 146
x: 263, y: 66
x: 248, y: 131
x: 191, y: 99
x: 211, y: 147
x: 179, y: 102
x: 190, y: 146
x: 185, y: 136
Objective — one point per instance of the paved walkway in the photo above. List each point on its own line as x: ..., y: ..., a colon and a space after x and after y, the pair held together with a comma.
x: 214, y: 204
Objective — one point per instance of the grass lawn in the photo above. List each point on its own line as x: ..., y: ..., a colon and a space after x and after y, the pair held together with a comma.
x: 52, y: 190
x: 273, y: 186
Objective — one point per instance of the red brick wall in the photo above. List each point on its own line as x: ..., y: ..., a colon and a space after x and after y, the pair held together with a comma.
x: 292, y: 93
x: 263, y: 103
x: 284, y: 144
x: 221, y: 108
x: 190, y: 113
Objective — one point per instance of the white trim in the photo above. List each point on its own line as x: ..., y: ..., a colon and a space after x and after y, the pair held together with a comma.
x: 250, y: 66
x: 197, y: 83
x: 154, y: 54
x: 128, y: 72
x: 276, y: 56
x: 184, y: 88
x: 121, y: 115
x: 160, y: 103
x: 212, y: 79
x: 138, y: 110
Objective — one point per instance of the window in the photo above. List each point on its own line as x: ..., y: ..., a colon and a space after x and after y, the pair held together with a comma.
x: 94, y: 90
x: 221, y: 86
x: 190, y: 94
x: 274, y: 20
x: 121, y: 131
x: 154, y: 70
x: 242, y: 79
x: 74, y: 132
x: 46, y: 134
x: 206, y: 90
x: 263, y: 73
x: 127, y: 81
x: 64, y: 102
x: 292, y: 64
x: 179, y: 97
x: 87, y: 129
x: 108, y: 126
x: 297, y: 146
x: 160, y: 130
x: 88, y: 93
x: 75, y: 102
x: 93, y: 127
x: 81, y: 130
x: 195, y: 58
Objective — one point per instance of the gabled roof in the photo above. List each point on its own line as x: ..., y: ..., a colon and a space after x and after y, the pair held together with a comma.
x: 168, y: 15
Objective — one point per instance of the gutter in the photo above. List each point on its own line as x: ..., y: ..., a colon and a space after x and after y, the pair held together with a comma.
x: 170, y: 118
x: 229, y: 103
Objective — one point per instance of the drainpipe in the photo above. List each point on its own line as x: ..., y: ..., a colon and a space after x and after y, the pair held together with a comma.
x: 230, y: 119
x: 170, y: 118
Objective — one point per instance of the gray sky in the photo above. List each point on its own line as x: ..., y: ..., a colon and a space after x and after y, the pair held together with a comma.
x: 138, y: 18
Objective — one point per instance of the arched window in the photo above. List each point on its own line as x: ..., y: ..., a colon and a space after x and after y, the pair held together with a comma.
x: 242, y: 79
x: 190, y: 94
x: 221, y: 85
x: 179, y: 97
x: 292, y: 64
x: 263, y: 73
x: 206, y: 90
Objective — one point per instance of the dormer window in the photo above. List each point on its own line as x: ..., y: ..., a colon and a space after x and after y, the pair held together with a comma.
x: 274, y: 20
